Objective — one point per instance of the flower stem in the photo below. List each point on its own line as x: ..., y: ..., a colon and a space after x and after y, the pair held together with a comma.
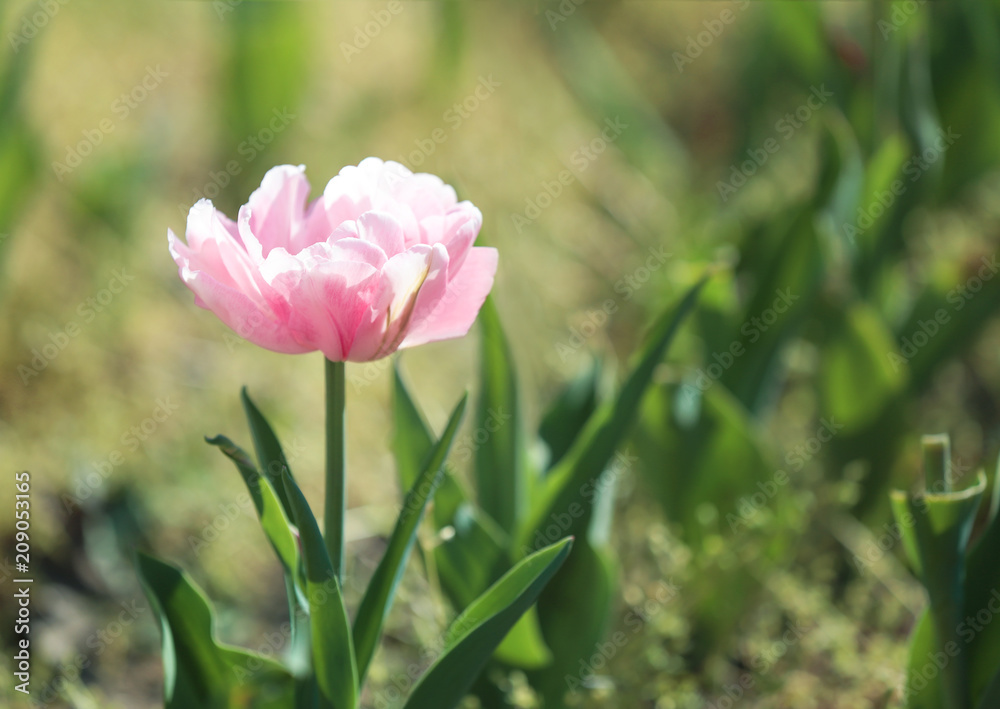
x: 336, y: 473
x: 937, y: 463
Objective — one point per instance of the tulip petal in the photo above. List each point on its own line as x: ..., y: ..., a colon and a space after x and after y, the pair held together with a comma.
x: 457, y: 230
x: 327, y: 300
x: 454, y: 312
x: 418, y: 273
x: 240, y: 313
x: 277, y: 207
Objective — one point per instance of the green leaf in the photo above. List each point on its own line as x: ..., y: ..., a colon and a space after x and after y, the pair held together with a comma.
x: 700, y: 448
x: 333, y: 650
x: 474, y: 553
x: 991, y: 697
x: 860, y: 372
x: 198, y: 671
x: 473, y: 556
x: 267, y: 67
x: 411, y: 444
x: 922, y: 649
x: 270, y: 456
x: 788, y: 274
x: 379, y: 595
x: 271, y: 501
x: 583, y: 465
x: 499, y: 469
x: 524, y: 646
x: 272, y: 516
x: 936, y: 528
x: 477, y: 632
x: 569, y: 413
x: 575, y: 613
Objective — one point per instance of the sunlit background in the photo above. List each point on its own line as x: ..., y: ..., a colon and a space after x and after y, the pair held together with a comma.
x: 833, y: 164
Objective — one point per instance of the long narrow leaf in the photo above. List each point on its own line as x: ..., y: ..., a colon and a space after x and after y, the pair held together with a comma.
x: 333, y: 650
x: 378, y: 597
x: 272, y: 516
x: 499, y: 468
x: 198, y: 671
x: 270, y: 456
x: 478, y: 631
x: 586, y: 460
x: 475, y: 555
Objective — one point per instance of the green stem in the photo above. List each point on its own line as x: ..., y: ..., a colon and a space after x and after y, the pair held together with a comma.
x: 937, y: 463
x: 336, y: 473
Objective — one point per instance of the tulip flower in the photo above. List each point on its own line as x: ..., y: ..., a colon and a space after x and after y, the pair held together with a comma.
x: 383, y: 260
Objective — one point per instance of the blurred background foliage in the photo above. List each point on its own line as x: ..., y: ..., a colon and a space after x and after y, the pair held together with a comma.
x: 835, y: 165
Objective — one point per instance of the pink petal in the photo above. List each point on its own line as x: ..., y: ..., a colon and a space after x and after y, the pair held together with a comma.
x: 327, y: 301
x: 453, y: 314
x: 240, y: 313
x: 277, y: 207
x: 407, y: 279
x: 214, y: 247
x: 457, y: 230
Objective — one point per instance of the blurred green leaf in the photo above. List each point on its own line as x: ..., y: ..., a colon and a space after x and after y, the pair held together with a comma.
x: 787, y: 277
x: 573, y: 481
x: 575, y: 613
x: 270, y: 57
x: 936, y: 528
x: 610, y: 96
x: 569, y: 413
x: 499, y: 460
x: 524, y: 646
x: 700, y: 449
x: 859, y: 376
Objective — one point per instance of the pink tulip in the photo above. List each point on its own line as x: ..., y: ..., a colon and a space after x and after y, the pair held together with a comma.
x: 381, y: 261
